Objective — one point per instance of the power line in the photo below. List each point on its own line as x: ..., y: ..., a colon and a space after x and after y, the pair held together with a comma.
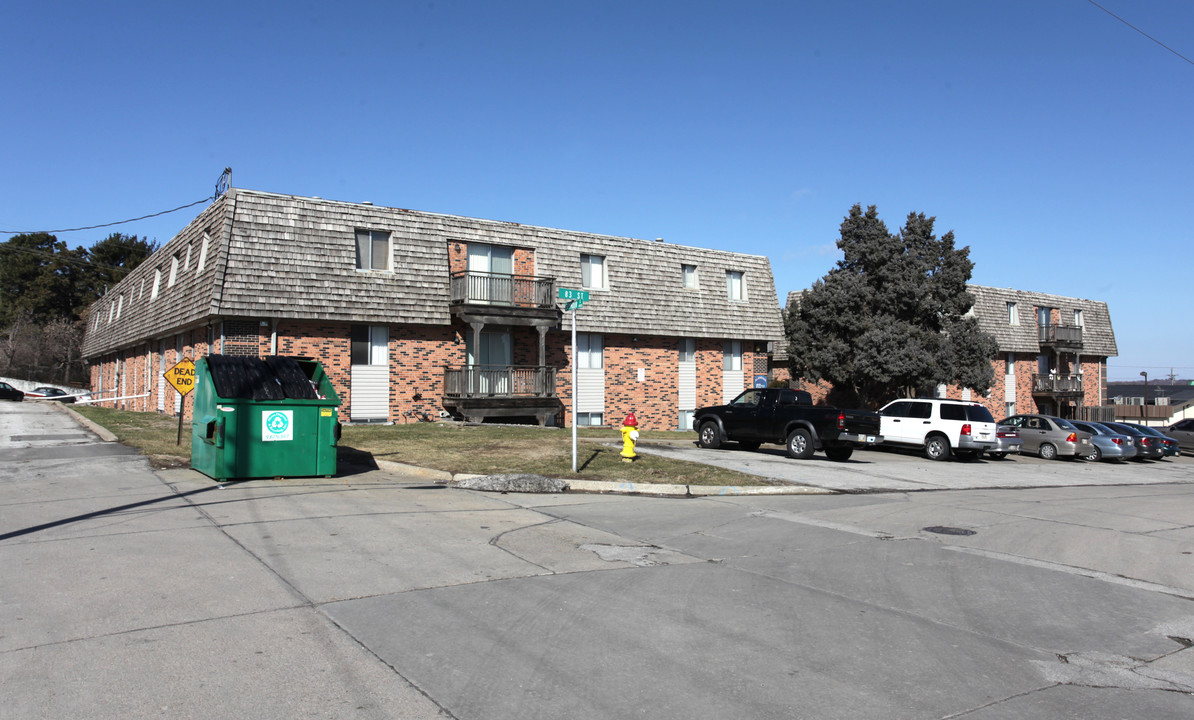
x: 1150, y: 37
x: 104, y: 225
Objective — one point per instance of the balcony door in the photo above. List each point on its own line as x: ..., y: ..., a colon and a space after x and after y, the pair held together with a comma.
x: 491, y: 274
x: 489, y: 364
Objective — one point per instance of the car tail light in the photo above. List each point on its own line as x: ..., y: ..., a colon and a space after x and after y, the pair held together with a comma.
x: 966, y: 429
x: 841, y: 421
x: 1117, y: 441
x: 1072, y: 437
x: 1145, y: 442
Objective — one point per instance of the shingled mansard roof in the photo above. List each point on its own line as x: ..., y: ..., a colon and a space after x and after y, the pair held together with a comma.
x: 990, y: 307
x: 280, y: 256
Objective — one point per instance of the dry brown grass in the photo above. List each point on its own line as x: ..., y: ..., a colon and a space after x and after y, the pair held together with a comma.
x: 477, y: 449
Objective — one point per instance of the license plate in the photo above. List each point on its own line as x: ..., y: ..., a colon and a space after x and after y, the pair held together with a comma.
x: 1085, y: 441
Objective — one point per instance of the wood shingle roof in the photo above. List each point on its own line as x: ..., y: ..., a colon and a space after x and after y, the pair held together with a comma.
x: 282, y: 256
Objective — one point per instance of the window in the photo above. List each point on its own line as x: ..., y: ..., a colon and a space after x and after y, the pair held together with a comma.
x: 1078, y: 319
x: 157, y: 283
x: 589, y: 348
x: 142, y: 295
x: 687, y: 350
x: 734, y: 288
x: 731, y: 355
x: 119, y: 305
x: 373, y: 250
x: 1013, y: 314
x: 688, y: 276
x: 173, y: 271
x: 1009, y: 408
x: 111, y: 312
x: 686, y: 419
x: 1044, y: 316
x: 370, y: 345
x: 592, y: 271
x: 589, y: 418
x: 186, y: 263
x: 202, y: 254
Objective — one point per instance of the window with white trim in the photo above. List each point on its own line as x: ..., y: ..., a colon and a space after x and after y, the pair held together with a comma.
x: 1013, y: 313
x: 735, y: 290
x: 688, y: 276
x: 186, y: 262
x: 373, y: 250
x: 589, y: 418
x: 731, y: 355
x: 202, y: 254
x: 157, y: 283
x: 173, y: 271
x: 589, y: 350
x: 592, y: 272
x: 1079, y: 321
x: 369, y: 345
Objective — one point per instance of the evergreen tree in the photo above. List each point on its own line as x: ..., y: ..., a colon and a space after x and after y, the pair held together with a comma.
x: 890, y: 319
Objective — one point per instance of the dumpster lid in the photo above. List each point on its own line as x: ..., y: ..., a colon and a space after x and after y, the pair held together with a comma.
x: 273, y: 378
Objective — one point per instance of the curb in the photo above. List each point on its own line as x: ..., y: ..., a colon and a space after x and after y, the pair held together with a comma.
x: 437, y: 475
x: 104, y: 434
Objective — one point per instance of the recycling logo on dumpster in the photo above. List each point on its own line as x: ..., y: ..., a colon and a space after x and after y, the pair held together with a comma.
x: 277, y: 425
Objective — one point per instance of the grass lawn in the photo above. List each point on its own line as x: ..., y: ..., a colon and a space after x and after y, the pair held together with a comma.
x: 477, y: 449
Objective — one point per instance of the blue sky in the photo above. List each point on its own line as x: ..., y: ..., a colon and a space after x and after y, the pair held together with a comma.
x: 1052, y: 138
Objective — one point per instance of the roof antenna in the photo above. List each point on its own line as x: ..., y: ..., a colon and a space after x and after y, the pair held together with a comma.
x: 223, y: 183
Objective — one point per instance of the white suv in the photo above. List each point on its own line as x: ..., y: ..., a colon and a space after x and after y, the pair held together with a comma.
x: 941, y: 427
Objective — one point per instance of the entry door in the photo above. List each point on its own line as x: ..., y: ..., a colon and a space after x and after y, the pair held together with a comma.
x: 491, y: 361
x: 497, y: 285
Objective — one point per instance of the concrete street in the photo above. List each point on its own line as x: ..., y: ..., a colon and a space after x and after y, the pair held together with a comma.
x: 130, y: 593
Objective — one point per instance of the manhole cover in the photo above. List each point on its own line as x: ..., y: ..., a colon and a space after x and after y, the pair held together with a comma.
x: 944, y: 530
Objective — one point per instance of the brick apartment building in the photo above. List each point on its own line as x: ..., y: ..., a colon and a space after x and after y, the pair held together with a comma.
x: 1052, y: 356
x: 412, y: 313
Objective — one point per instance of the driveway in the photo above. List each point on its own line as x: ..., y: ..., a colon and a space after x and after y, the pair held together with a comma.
x: 886, y: 470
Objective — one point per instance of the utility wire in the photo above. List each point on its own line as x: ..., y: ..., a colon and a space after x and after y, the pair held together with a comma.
x: 1150, y: 37
x: 120, y: 222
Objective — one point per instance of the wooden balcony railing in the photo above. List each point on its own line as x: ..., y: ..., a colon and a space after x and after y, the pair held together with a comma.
x: 1056, y: 384
x: 1060, y: 336
x: 500, y: 381
x: 483, y: 288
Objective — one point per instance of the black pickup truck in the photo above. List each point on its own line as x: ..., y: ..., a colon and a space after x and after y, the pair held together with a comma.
x: 787, y: 417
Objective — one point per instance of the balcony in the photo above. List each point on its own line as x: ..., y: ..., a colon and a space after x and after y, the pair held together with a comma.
x: 1057, y: 386
x: 497, y: 298
x: 1062, y: 338
x: 484, y: 391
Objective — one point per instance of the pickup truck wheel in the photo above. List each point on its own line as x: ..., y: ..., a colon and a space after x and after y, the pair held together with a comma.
x: 839, y: 452
x: 748, y: 445
x: 800, y: 444
x: 709, y: 436
x: 937, y: 447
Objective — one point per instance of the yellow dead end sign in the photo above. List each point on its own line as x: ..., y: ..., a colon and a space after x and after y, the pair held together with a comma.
x: 182, y: 376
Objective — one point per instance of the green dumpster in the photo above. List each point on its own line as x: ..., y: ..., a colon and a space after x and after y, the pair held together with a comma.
x: 263, y: 417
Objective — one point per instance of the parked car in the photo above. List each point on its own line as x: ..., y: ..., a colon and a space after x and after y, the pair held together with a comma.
x: 1168, y: 444
x: 1183, y: 432
x: 789, y: 418
x: 51, y: 393
x: 1007, y: 440
x: 1108, y: 444
x: 938, y: 426
x: 1051, y: 437
x: 8, y: 392
x: 1146, y: 446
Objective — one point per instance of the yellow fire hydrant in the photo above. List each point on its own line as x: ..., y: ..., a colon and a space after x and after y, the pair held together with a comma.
x: 629, y: 437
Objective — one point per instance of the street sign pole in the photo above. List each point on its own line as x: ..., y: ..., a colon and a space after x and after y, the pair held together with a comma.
x: 574, y: 305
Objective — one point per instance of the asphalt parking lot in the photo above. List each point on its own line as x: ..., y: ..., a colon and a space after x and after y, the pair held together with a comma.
x: 891, y: 470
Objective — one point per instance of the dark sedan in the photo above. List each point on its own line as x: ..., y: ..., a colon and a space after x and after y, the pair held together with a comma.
x: 1146, y: 446
x: 8, y: 392
x: 1167, y: 443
